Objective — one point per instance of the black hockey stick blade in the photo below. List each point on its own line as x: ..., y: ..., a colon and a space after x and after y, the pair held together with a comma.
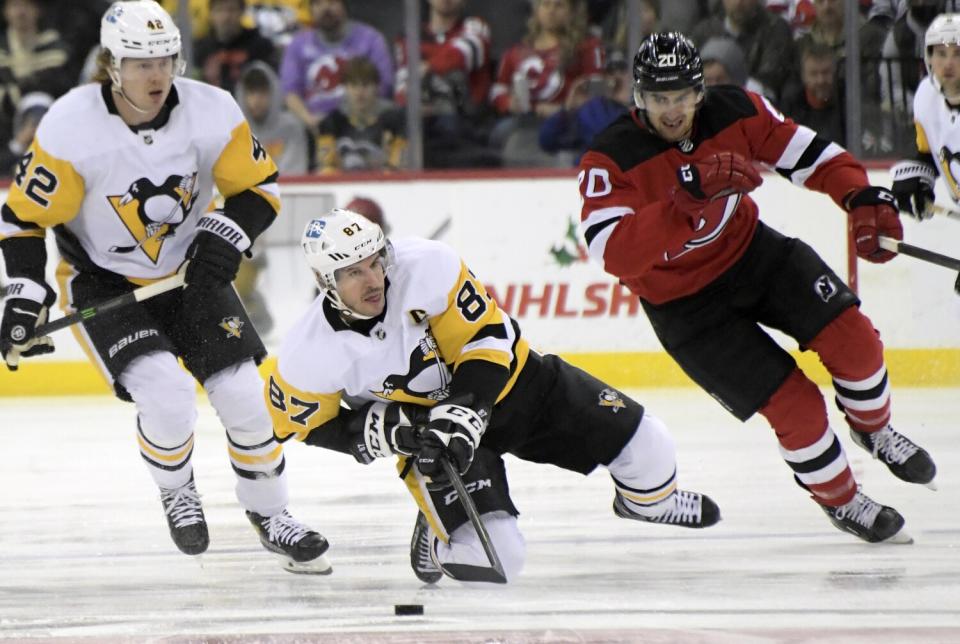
x: 496, y: 568
x: 916, y: 252
x: 136, y: 295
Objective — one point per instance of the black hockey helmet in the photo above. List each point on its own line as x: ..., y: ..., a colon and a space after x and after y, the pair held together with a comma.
x: 667, y: 61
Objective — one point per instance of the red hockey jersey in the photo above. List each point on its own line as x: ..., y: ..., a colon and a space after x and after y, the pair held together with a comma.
x: 465, y: 47
x: 548, y: 81
x: 635, y: 230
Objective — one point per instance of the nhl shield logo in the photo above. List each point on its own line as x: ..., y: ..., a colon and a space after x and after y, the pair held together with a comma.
x: 232, y: 325
x: 825, y: 287
x: 611, y: 398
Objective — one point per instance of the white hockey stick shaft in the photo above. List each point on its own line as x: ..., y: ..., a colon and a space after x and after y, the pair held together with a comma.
x: 136, y: 295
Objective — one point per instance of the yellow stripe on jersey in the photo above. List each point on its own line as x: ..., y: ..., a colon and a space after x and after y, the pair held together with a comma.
x: 46, y: 190
x: 471, y: 312
x: 295, y: 412
x: 922, y: 144
x: 243, y: 165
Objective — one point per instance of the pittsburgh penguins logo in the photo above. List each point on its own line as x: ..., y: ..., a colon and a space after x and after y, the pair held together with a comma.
x: 611, y: 398
x: 151, y: 213
x: 427, y: 378
x: 232, y: 325
x: 950, y: 166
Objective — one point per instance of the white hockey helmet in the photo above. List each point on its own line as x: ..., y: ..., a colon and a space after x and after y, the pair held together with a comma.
x: 139, y: 29
x: 944, y: 30
x: 337, y: 240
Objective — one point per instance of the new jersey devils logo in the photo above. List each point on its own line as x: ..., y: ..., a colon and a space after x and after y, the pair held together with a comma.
x: 151, y: 213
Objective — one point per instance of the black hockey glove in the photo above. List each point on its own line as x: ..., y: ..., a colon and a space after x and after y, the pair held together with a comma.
x: 454, y: 432
x: 214, y: 254
x: 381, y: 429
x: 24, y: 309
x: 913, y: 183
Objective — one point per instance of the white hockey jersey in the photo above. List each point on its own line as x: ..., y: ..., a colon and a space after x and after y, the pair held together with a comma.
x: 438, y: 315
x: 938, y: 133
x: 112, y: 188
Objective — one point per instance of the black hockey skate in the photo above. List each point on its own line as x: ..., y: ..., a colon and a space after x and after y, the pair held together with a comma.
x: 689, y: 510
x: 872, y: 522
x: 906, y: 460
x: 299, y: 548
x: 188, y: 527
x: 421, y: 552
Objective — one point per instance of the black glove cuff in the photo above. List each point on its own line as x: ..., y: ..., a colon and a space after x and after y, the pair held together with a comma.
x: 870, y: 196
x: 689, y: 178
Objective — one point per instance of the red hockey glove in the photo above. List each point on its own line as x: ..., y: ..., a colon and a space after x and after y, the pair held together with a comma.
x: 716, y: 176
x: 873, y: 212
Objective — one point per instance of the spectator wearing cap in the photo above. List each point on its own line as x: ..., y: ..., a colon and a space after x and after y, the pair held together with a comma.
x: 30, y: 110
x: 723, y: 63
x: 282, y: 135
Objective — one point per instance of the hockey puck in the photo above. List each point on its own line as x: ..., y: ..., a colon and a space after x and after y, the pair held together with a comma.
x: 408, y: 609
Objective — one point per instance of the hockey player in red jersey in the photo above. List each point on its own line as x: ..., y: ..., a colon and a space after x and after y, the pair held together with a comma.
x: 666, y: 210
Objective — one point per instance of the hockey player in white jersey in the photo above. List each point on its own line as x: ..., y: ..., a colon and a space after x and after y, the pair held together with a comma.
x: 426, y: 364
x: 936, y: 106
x: 123, y: 171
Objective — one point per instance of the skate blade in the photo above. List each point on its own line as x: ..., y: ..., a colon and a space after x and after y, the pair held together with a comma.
x: 319, y: 566
x: 931, y: 485
x: 900, y: 538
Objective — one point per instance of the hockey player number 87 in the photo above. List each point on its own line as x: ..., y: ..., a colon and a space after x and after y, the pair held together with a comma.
x: 470, y: 302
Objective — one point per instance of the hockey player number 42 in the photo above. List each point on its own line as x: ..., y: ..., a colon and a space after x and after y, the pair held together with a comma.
x: 42, y: 181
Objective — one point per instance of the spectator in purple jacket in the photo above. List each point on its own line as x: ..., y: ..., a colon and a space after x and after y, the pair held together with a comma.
x: 315, y: 58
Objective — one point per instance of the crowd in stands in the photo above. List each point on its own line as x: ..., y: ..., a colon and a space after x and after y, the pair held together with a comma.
x: 510, y: 83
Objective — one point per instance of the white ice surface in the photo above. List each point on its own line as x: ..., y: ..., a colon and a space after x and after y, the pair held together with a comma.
x: 85, y: 554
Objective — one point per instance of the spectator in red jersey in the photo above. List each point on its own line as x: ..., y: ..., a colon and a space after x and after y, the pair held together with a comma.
x: 456, y: 78
x: 221, y: 55
x: 666, y: 210
x: 536, y: 75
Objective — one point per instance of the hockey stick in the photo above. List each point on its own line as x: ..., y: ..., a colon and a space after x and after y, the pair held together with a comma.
x: 946, y: 261
x: 136, y: 295
x: 497, y: 574
x: 894, y: 246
